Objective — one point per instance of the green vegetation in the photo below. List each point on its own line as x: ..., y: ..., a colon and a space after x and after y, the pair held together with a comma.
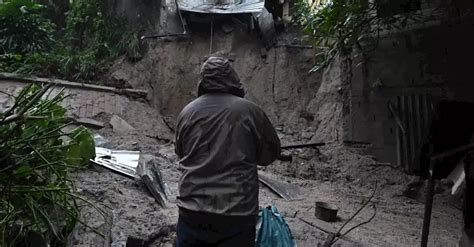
x: 36, y: 193
x: 23, y: 29
x: 66, y: 39
x: 35, y: 40
x: 348, y: 27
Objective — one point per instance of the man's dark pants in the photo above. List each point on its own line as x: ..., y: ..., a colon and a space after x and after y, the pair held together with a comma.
x: 196, y: 229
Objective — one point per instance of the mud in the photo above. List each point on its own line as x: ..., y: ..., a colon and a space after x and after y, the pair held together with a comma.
x: 304, y: 108
x: 338, y: 175
x: 276, y: 79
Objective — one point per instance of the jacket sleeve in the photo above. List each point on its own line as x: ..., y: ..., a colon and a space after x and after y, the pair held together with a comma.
x: 177, y: 139
x: 177, y: 147
x: 269, y: 143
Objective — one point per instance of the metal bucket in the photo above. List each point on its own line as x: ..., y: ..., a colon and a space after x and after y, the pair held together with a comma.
x: 325, y: 211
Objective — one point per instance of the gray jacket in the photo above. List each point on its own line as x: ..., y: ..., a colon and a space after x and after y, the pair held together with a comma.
x: 220, y: 139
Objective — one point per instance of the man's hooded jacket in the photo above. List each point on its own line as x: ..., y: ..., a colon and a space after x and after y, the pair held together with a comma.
x: 220, y: 139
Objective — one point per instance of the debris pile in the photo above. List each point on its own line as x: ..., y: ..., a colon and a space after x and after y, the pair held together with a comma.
x: 133, y: 165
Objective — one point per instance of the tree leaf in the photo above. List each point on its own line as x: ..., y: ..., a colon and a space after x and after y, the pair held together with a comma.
x: 82, y: 147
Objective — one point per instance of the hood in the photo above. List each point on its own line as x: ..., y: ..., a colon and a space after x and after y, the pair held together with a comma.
x: 218, y: 76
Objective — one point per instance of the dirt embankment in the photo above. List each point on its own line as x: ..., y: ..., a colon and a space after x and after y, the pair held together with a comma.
x: 276, y: 79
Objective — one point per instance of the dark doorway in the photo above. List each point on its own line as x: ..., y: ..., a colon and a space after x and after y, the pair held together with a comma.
x: 452, y: 126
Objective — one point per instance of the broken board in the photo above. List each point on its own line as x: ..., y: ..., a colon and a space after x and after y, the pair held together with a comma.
x: 458, y: 177
x: 289, y: 192
x: 87, y: 122
x: 152, y: 178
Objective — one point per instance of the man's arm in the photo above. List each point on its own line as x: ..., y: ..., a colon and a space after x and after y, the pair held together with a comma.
x: 177, y: 149
x: 177, y: 140
x: 269, y: 144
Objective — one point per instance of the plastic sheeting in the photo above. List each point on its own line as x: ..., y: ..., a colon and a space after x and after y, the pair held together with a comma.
x: 122, y: 161
x: 273, y: 230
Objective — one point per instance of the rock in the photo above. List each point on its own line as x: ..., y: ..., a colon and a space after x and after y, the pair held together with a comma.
x: 415, y: 188
x: 443, y: 186
x: 119, y: 79
x: 120, y: 126
x: 307, y: 135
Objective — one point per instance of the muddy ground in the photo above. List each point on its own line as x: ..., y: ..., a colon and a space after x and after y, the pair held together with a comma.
x: 335, y: 174
x: 303, y: 107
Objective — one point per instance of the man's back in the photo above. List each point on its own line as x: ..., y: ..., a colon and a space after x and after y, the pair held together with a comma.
x: 221, y: 139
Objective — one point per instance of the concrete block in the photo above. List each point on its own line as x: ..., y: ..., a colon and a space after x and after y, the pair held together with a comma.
x: 120, y: 126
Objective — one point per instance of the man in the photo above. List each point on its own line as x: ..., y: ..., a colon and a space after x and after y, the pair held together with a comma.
x: 220, y: 140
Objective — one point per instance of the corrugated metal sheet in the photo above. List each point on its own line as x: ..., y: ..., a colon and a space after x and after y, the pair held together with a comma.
x: 414, y: 112
x: 221, y: 7
x: 121, y: 161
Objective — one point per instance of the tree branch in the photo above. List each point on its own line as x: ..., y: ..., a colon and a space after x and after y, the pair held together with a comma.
x: 21, y: 113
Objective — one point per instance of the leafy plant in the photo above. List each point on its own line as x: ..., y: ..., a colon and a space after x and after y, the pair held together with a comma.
x: 36, y: 155
x: 23, y: 29
x: 85, y: 24
x: 86, y: 43
x: 38, y: 63
x: 78, y: 66
x: 343, y: 27
x: 10, y: 62
x: 88, y: 28
x: 128, y: 43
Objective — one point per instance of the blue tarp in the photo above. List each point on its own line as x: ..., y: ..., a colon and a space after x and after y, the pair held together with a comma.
x: 273, y: 230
